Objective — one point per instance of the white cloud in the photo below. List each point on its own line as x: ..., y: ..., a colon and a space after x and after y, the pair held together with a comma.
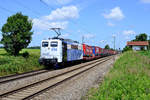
x: 64, y: 1
x: 127, y: 38
x: 39, y: 32
x: 57, y: 18
x: 67, y: 12
x: 115, y: 14
x: 110, y: 24
x: 64, y: 35
x: 44, y: 25
x: 145, y: 1
x: 129, y: 32
x: 88, y: 36
x: 114, y: 35
x: 57, y: 2
x: 102, y: 41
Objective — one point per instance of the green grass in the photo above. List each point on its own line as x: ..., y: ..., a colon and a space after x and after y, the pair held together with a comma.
x: 129, y: 79
x: 12, y: 65
x: 145, y: 53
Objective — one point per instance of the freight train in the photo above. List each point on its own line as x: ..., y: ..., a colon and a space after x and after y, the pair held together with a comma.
x: 58, y: 50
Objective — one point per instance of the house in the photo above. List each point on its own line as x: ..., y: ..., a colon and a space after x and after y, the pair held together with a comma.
x: 138, y: 45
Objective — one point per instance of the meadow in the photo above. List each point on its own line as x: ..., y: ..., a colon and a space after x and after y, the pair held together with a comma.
x: 129, y: 79
x: 19, y: 64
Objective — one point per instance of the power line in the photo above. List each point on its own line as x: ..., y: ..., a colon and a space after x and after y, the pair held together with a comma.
x: 26, y: 7
x: 5, y: 9
x: 64, y: 16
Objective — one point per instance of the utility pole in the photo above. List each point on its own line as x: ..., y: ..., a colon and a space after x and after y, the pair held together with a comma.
x: 114, y: 41
x: 114, y: 46
x: 82, y: 39
x: 57, y: 31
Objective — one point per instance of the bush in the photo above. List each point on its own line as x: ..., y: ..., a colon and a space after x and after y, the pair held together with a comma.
x: 126, y: 48
x: 19, y: 64
x: 25, y: 54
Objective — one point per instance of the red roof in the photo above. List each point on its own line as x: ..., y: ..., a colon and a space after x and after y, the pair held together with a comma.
x: 138, y: 43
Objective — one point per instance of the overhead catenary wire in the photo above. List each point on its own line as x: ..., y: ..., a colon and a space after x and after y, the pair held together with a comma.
x: 33, y: 11
x: 7, y: 10
x: 64, y: 16
x: 26, y: 7
x: 37, y: 13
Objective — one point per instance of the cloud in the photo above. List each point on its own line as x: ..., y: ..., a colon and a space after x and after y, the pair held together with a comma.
x: 102, y: 41
x: 57, y: 18
x: 110, y: 24
x: 88, y: 36
x: 64, y: 35
x: 57, y: 2
x: 44, y: 25
x: 145, y: 1
x: 67, y: 12
x: 129, y: 32
x: 115, y: 14
x: 114, y: 35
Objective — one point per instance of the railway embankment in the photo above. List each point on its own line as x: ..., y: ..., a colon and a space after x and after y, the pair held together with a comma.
x: 77, y: 87
x: 129, y: 79
x: 66, y: 84
x: 10, y: 65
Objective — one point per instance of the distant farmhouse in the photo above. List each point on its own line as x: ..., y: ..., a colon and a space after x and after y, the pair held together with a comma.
x: 138, y: 45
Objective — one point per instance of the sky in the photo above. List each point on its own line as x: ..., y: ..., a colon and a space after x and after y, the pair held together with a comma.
x: 97, y: 22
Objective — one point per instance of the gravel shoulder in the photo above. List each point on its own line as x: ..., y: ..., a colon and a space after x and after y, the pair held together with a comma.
x: 77, y: 87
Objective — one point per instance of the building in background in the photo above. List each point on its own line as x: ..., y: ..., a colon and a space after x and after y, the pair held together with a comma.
x: 138, y: 45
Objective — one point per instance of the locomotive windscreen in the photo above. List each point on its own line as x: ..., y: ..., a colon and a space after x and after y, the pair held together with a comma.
x: 44, y: 44
x: 54, y: 44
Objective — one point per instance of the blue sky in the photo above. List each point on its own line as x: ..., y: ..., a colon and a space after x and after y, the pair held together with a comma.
x: 98, y: 21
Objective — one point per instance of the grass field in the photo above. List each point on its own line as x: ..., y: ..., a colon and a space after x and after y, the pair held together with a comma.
x: 145, y: 53
x: 12, y: 65
x: 129, y: 79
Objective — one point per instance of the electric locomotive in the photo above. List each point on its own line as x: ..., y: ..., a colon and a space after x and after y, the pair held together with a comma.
x: 58, y: 50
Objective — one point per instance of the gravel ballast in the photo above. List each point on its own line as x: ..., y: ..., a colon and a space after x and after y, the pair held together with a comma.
x: 78, y: 86
x: 16, y: 84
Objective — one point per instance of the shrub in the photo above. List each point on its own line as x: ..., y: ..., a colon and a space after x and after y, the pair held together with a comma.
x: 25, y: 54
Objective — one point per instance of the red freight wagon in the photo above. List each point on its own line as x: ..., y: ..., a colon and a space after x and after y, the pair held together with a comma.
x: 91, y: 52
x: 96, y: 52
x: 87, y: 52
x: 100, y: 51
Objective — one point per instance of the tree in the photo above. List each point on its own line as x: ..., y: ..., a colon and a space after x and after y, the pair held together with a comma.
x: 16, y: 33
x: 126, y: 48
x: 107, y: 46
x: 141, y: 37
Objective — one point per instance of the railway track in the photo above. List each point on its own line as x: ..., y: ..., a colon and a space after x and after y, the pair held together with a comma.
x: 32, y: 90
x: 10, y: 78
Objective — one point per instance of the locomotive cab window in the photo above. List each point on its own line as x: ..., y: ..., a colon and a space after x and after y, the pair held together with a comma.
x: 54, y: 44
x: 44, y: 44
